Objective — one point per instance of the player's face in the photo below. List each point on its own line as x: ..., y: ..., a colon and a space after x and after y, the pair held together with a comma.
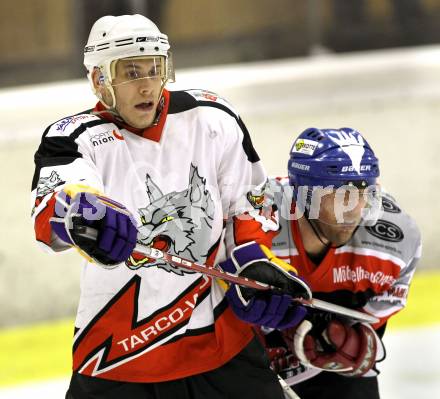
x: 340, y: 214
x: 137, y: 84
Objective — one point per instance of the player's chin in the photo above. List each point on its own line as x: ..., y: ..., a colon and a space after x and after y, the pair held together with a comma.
x: 142, y: 122
x: 342, y: 237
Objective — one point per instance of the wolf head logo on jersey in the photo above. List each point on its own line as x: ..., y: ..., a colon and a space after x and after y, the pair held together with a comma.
x: 46, y: 185
x: 178, y: 223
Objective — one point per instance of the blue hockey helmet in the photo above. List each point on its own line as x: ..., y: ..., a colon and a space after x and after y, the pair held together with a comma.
x: 332, y: 157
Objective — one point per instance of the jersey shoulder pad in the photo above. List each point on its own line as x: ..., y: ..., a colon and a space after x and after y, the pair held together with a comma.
x: 395, y: 214
x: 211, y: 99
x: 70, y: 125
x: 395, y: 231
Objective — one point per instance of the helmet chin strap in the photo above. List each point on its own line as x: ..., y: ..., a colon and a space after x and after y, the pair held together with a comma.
x: 320, y: 234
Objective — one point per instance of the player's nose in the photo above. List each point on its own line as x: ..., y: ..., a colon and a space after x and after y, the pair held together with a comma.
x: 145, y: 86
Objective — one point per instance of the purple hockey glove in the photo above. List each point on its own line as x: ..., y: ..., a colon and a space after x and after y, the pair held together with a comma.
x: 115, y: 225
x: 267, y: 308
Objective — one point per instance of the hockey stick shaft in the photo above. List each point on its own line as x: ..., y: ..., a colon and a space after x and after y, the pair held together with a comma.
x: 246, y: 282
x: 177, y: 261
x: 288, y: 392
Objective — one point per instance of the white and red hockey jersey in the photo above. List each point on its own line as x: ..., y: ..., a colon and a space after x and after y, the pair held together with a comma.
x: 186, y: 181
x: 371, y: 272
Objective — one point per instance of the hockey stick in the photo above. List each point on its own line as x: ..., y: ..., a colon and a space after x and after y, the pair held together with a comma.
x: 150, y: 252
x: 246, y: 282
x: 288, y: 392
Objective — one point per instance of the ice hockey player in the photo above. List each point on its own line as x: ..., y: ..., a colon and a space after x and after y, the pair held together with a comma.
x: 355, y: 247
x: 176, y: 171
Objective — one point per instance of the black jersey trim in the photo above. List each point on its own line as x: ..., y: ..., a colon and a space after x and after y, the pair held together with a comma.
x: 84, y: 126
x: 215, y: 246
x: 181, y: 101
x: 59, y: 150
x: 220, y: 308
x: 54, y: 151
x: 248, y: 147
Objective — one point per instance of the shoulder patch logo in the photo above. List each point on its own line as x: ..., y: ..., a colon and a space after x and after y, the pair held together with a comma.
x: 62, y: 124
x: 389, y: 206
x: 46, y: 185
x: 258, y: 195
x: 257, y: 201
x: 204, y: 95
x: 386, y: 231
x: 207, y: 97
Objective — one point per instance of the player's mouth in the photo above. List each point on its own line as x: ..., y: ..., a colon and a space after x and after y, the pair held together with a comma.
x: 145, y: 106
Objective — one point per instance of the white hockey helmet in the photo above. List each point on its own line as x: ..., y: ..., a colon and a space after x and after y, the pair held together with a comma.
x: 115, y: 37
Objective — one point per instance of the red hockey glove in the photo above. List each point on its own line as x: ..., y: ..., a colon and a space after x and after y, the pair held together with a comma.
x: 337, y: 346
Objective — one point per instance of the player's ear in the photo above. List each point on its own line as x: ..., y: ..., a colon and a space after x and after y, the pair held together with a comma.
x: 101, y: 89
x: 98, y: 78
